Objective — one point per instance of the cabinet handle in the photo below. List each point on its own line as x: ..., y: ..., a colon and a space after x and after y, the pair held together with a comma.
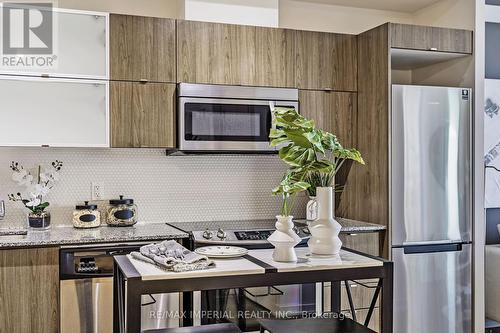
x: 433, y: 49
x: 327, y: 89
x: 143, y: 81
x: 45, y: 76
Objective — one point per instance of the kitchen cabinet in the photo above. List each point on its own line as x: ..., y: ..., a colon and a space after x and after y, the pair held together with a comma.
x: 217, y: 53
x: 430, y: 38
x: 79, y: 48
x: 326, y: 61
x: 53, y: 112
x: 29, y: 290
x: 366, y: 242
x: 331, y: 111
x: 142, y: 114
x: 142, y: 48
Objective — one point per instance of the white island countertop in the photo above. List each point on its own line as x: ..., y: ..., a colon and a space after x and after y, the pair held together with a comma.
x: 260, y: 262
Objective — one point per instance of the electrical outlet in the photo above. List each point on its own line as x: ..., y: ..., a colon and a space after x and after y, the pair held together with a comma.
x: 96, y: 191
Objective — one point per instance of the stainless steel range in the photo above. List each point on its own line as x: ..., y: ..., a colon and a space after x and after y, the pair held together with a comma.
x: 289, y: 299
x: 249, y: 234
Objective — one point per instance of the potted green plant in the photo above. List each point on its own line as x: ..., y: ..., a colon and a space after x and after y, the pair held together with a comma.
x: 306, y: 150
x: 301, y: 150
x: 36, y: 187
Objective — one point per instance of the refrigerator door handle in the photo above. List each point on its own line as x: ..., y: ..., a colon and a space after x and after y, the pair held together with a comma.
x: 433, y: 248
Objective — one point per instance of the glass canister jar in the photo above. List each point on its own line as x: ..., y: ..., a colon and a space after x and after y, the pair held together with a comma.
x: 86, y: 216
x: 121, y: 212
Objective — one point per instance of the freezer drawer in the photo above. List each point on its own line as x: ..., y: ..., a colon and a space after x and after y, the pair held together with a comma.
x: 432, y: 291
x: 430, y: 164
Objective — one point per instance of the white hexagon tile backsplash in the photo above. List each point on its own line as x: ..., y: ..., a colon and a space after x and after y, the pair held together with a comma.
x: 165, y: 188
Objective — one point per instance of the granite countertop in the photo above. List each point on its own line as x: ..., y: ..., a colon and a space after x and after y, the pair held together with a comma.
x: 142, y: 231
x: 354, y: 226
x: 67, y: 235
x: 348, y: 226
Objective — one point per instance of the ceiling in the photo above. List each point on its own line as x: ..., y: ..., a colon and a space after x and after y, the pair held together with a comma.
x: 407, y: 6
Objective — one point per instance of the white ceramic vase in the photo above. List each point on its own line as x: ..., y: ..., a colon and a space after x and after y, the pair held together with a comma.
x: 284, y: 239
x: 325, y: 230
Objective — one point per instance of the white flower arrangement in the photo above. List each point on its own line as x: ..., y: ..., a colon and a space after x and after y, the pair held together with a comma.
x: 35, y: 187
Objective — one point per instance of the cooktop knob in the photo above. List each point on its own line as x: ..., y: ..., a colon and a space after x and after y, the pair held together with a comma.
x: 207, y: 234
x: 221, y: 234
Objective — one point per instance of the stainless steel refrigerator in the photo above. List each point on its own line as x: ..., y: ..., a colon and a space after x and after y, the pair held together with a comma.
x: 431, y: 209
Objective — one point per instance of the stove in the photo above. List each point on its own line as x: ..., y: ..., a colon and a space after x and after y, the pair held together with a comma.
x: 250, y: 234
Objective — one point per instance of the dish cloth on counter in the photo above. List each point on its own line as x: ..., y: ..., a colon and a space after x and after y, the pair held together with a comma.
x: 172, y: 256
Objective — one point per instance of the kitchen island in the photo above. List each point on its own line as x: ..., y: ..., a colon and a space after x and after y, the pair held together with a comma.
x: 134, y: 278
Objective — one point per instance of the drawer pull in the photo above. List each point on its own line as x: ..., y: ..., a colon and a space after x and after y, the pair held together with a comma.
x: 433, y: 49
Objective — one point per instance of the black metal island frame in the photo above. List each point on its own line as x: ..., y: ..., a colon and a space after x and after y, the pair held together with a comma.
x: 134, y: 278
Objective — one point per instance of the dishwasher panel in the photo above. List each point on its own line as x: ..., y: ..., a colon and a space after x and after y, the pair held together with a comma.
x: 87, y: 305
x: 86, y: 295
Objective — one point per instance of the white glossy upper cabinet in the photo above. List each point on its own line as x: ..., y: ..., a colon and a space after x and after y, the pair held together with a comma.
x: 53, y: 112
x: 80, y: 42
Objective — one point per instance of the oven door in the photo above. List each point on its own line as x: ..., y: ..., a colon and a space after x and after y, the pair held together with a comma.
x: 214, y: 124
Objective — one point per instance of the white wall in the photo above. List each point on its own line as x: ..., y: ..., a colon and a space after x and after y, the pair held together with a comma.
x: 158, y: 8
x: 457, y: 14
x: 323, y: 17
x: 255, y: 12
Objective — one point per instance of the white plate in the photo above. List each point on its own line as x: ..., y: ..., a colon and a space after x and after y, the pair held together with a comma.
x: 221, y: 251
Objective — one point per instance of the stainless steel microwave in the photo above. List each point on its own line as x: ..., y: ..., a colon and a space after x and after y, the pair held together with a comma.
x: 221, y: 118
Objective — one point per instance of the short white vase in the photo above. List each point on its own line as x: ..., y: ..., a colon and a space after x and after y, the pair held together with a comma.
x: 284, y: 239
x: 325, y: 230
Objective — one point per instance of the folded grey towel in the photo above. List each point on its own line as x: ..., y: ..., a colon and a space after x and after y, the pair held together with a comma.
x: 172, y: 256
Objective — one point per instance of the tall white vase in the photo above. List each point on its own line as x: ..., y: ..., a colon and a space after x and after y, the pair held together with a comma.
x: 325, y: 230
x: 284, y: 239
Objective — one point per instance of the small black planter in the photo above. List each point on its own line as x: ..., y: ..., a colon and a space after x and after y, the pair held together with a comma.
x: 40, y: 221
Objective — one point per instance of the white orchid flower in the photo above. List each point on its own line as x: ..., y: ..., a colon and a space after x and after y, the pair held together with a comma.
x: 38, y: 190
x: 55, y: 176
x: 44, y: 176
x: 33, y: 203
x: 19, y: 175
x: 22, y: 177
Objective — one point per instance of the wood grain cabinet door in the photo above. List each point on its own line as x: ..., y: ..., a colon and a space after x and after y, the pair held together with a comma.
x: 275, y: 61
x: 452, y: 40
x: 418, y: 37
x: 29, y: 290
x: 142, y: 48
x: 331, y: 111
x: 326, y: 61
x: 230, y: 54
x: 142, y: 115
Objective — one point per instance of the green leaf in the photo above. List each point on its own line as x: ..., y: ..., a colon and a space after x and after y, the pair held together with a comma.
x: 350, y: 154
x: 296, y: 156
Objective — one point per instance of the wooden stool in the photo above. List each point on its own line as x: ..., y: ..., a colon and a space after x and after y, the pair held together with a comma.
x: 215, y: 328
x: 309, y: 325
